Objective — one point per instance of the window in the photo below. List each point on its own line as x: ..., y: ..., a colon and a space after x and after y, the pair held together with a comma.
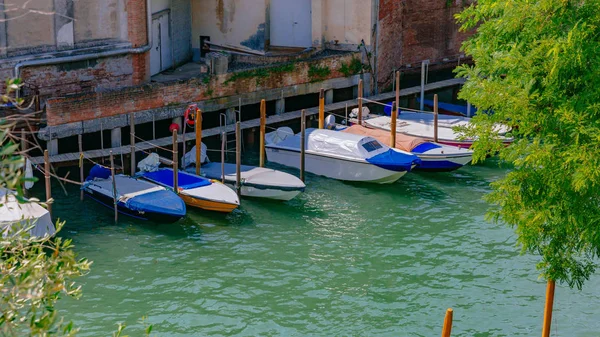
x: 372, y: 146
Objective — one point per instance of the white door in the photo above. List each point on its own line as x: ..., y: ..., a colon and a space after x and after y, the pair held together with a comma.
x: 291, y: 23
x: 160, y: 54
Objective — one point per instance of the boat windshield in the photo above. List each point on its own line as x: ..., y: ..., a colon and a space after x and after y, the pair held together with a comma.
x: 372, y: 146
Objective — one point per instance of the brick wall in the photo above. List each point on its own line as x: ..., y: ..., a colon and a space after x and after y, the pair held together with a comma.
x: 136, y: 30
x: 414, y: 30
x: 88, y: 106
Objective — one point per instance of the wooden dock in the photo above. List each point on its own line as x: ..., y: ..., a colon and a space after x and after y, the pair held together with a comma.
x: 250, y: 124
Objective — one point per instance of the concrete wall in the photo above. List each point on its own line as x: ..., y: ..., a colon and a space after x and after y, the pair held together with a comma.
x: 414, y: 30
x: 97, y: 20
x: 347, y: 21
x: 233, y: 22
x: 29, y: 25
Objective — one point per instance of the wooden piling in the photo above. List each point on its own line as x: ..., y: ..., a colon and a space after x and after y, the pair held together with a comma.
x: 322, y: 108
x: 175, y: 164
x: 238, y: 158
x: 114, y: 185
x: 198, y: 141
x: 47, y: 181
x: 24, y: 152
x: 397, y: 89
x: 223, y: 142
x: 263, y: 122
x: 302, y: 144
x: 360, y: 102
x: 80, y: 141
x: 435, y: 118
x: 548, y: 308
x: 394, y: 119
x: 132, y: 142
x: 447, y: 329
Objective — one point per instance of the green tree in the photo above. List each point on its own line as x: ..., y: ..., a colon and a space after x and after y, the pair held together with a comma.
x: 537, y: 67
x: 34, y: 272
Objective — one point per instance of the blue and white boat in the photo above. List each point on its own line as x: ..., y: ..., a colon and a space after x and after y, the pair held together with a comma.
x: 136, y: 198
x: 434, y: 157
x: 339, y: 155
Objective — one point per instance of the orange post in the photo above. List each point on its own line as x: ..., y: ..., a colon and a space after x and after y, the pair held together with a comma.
x: 447, y: 329
x: 322, y: 109
x: 548, y: 308
x: 394, y: 118
x: 263, y: 123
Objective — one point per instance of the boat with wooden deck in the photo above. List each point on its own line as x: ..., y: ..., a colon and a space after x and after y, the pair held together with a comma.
x: 195, y: 191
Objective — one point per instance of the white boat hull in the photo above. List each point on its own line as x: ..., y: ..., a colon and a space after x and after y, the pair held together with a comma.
x: 333, y: 167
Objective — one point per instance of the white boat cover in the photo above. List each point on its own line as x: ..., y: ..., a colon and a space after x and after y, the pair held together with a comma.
x: 337, y: 144
x: 190, y: 157
x: 15, y: 216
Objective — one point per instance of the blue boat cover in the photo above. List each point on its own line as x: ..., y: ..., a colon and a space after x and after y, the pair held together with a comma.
x: 98, y: 172
x: 394, y: 160
x: 424, y: 147
x: 461, y: 109
x: 162, y: 202
x: 184, y: 180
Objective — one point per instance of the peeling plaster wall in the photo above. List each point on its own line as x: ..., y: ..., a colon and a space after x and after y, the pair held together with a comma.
x: 30, y: 27
x: 182, y: 30
x: 233, y: 22
x: 97, y: 20
x: 347, y: 21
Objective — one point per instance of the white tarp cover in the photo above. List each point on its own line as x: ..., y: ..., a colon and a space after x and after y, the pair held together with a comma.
x: 15, y: 216
x: 150, y: 163
x: 190, y: 157
x: 328, y: 142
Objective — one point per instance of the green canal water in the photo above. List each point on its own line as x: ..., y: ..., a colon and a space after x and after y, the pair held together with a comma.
x: 341, y: 260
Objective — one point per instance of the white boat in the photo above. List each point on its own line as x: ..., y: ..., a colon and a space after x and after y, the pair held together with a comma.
x: 15, y: 217
x: 421, y: 125
x: 198, y: 192
x: 340, y: 155
x: 434, y: 157
x: 257, y: 182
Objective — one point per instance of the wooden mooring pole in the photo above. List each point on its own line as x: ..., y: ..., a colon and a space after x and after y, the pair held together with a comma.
x: 302, y: 144
x: 223, y: 142
x: 198, y: 141
x: 447, y: 329
x: 397, y: 89
x: 47, y: 181
x: 114, y: 185
x: 360, y: 102
x: 548, y: 308
x: 80, y: 141
x: 263, y: 122
x: 393, y: 121
x: 322, y: 108
x: 435, y: 118
x: 132, y: 142
x: 238, y: 158
x: 175, y: 164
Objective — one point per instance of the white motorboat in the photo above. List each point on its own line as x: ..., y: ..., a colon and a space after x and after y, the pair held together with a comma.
x: 257, y: 182
x: 15, y: 217
x: 340, y: 155
x: 421, y: 125
x: 434, y: 156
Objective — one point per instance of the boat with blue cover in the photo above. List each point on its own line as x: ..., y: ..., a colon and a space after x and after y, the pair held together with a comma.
x: 339, y: 155
x: 136, y: 198
x: 196, y: 191
x: 434, y: 157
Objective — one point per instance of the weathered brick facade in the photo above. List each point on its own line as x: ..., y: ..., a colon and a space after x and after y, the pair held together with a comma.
x: 411, y: 31
x: 87, y: 106
x: 137, y: 31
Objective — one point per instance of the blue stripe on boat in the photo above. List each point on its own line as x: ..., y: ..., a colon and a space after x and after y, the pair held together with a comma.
x: 184, y: 180
x: 422, y: 148
x: 438, y: 165
x: 394, y: 161
x: 163, y: 202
